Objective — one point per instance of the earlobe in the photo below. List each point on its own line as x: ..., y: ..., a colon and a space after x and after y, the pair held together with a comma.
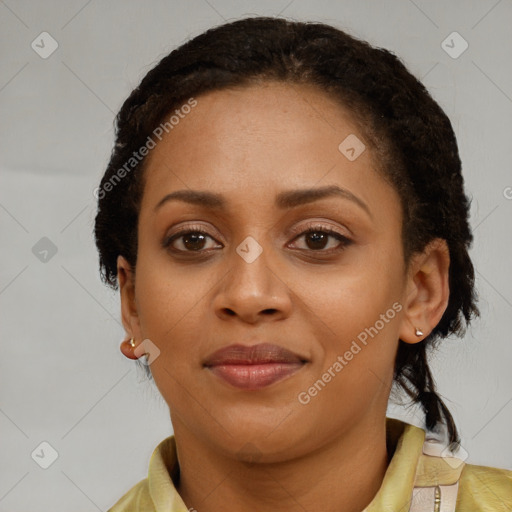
x: 427, y: 292
x: 127, y: 348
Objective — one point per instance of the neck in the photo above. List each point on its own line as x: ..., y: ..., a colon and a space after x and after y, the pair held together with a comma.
x: 344, y: 474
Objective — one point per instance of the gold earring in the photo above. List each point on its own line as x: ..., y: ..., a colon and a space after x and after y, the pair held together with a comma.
x: 419, y: 332
x: 132, y: 342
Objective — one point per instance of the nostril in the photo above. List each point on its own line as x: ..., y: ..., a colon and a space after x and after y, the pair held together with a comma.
x: 269, y: 311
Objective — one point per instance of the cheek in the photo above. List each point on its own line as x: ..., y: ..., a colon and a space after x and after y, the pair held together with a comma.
x: 171, y: 304
x: 357, y: 313
x: 356, y: 323
x: 169, y: 307
x: 166, y: 293
x: 350, y: 298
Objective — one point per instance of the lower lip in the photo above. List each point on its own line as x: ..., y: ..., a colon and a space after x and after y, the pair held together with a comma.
x: 255, y: 376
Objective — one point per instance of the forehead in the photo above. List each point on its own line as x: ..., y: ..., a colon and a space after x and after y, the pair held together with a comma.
x: 266, y: 117
x: 260, y: 139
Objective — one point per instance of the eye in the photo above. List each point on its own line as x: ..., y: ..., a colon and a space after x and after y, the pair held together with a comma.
x: 190, y: 239
x: 323, y: 239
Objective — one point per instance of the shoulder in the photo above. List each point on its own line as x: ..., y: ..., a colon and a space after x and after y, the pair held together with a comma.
x: 444, y: 479
x: 137, y: 498
x: 485, y: 488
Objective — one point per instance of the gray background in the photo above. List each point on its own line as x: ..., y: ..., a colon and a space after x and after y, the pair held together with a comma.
x: 62, y: 377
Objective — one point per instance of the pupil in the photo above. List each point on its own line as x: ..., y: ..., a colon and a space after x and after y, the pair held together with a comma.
x: 194, y: 242
x: 318, y: 240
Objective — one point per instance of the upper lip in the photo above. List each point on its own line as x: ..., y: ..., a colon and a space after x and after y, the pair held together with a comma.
x: 263, y: 353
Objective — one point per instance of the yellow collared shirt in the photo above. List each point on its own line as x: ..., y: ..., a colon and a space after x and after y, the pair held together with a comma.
x: 417, y: 479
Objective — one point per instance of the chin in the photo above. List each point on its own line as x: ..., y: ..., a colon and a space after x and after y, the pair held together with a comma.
x: 263, y: 437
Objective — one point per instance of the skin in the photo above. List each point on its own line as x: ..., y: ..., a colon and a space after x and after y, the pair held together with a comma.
x: 264, y: 450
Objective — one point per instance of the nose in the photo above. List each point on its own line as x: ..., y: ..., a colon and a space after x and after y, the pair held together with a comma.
x: 252, y: 292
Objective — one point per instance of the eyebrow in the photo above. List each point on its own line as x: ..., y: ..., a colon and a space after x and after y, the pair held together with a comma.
x: 287, y: 199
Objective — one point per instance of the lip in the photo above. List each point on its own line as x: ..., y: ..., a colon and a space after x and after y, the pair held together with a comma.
x: 253, y: 367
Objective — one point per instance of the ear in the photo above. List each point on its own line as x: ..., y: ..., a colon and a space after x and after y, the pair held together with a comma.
x: 129, y: 312
x: 427, y: 291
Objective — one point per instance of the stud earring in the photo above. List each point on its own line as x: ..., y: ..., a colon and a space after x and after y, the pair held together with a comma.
x: 418, y: 332
x: 132, y: 342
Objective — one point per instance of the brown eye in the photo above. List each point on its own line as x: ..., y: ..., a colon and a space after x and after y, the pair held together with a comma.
x: 190, y: 241
x: 323, y: 240
x: 316, y: 240
x: 194, y: 241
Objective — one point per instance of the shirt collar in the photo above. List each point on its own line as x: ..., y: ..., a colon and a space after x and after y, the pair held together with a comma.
x: 404, y: 441
x: 396, y: 489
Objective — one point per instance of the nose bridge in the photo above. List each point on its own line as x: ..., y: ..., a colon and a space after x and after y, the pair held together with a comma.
x: 251, y: 287
x: 250, y: 268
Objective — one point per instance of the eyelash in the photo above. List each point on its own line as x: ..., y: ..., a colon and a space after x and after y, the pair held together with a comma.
x: 310, y: 228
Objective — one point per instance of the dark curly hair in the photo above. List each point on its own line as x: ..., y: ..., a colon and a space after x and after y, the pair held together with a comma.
x: 404, y: 127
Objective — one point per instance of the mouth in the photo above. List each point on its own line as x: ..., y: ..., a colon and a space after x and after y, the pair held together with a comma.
x: 253, y: 367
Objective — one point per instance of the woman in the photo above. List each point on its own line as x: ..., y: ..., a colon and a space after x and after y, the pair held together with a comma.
x: 285, y: 218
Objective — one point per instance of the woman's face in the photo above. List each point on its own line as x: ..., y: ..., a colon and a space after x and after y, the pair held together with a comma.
x: 268, y: 162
